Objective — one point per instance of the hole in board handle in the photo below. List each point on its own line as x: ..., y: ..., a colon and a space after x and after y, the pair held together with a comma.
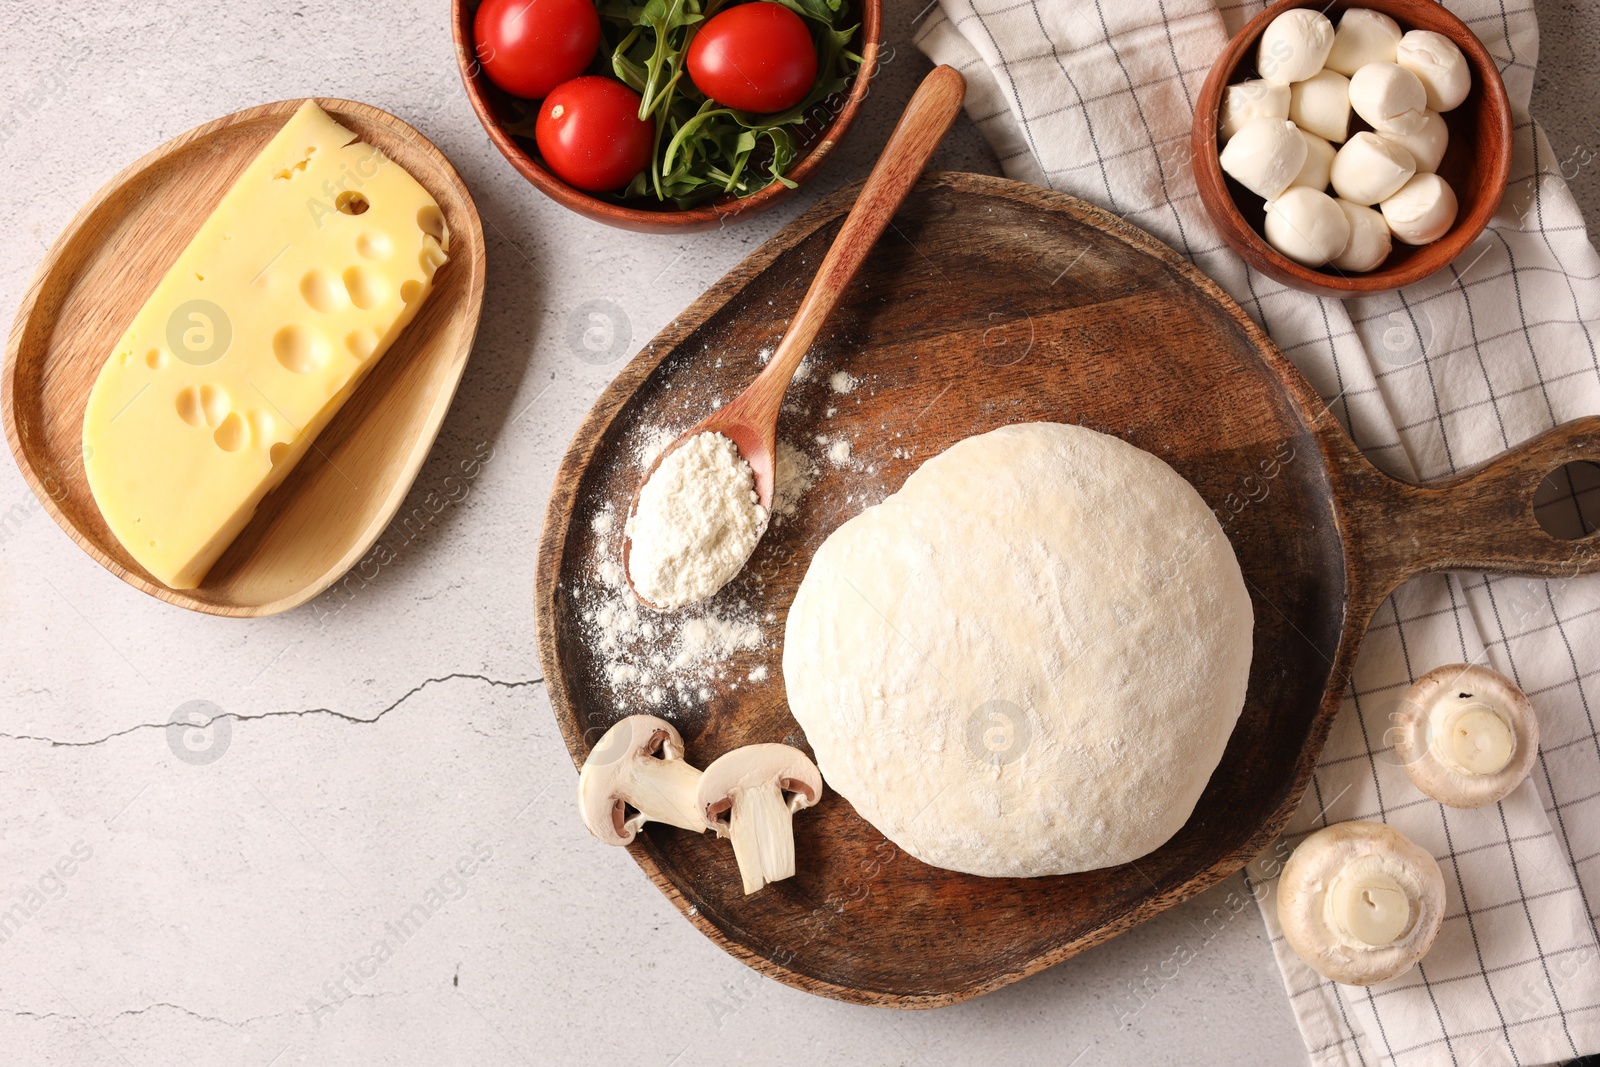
x: 1567, y: 502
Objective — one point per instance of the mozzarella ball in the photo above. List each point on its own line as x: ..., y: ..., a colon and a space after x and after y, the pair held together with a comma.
x: 1265, y: 155
x: 1294, y: 46
x: 1363, y: 37
x: 1307, y: 226
x: 1427, y: 145
x: 1251, y: 100
x: 1369, y: 242
x: 1389, y: 97
x: 1439, y: 65
x: 1316, y: 171
x: 1422, y: 211
x: 1321, y: 105
x: 1369, y: 169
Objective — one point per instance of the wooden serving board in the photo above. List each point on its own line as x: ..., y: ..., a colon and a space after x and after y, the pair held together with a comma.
x: 104, y: 266
x: 989, y: 302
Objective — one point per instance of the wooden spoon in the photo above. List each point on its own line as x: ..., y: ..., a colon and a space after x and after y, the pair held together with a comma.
x: 750, y: 420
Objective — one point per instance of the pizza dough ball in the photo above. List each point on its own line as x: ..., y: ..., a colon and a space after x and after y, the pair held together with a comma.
x: 1369, y: 243
x: 1389, y: 97
x: 1439, y: 65
x: 1317, y: 170
x: 1422, y: 211
x: 1368, y: 169
x: 1294, y: 46
x: 1251, y: 100
x: 1321, y: 105
x: 1427, y: 145
x: 1364, y: 36
x: 1307, y: 226
x: 1264, y: 156
x: 1027, y: 661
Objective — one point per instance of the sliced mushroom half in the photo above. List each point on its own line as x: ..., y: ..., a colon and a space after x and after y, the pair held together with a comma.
x: 637, y: 774
x: 750, y: 796
x: 1466, y: 735
x: 1360, y: 903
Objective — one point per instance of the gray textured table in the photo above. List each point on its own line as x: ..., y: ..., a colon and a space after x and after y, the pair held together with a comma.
x: 228, y: 912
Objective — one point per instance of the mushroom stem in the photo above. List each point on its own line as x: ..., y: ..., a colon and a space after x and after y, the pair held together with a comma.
x: 750, y: 796
x: 1472, y: 739
x: 761, y: 827
x: 663, y: 791
x: 624, y: 770
x: 1367, y: 903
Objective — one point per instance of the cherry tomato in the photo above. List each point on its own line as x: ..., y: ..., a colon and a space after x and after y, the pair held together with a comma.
x: 528, y: 47
x: 754, y: 57
x: 590, y: 133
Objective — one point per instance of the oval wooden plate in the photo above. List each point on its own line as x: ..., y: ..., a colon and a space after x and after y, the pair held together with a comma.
x: 103, y: 267
x: 990, y: 302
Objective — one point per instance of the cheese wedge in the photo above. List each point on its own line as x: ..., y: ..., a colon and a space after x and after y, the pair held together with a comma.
x: 308, y: 269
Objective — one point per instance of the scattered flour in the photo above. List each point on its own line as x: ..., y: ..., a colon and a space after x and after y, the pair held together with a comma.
x: 641, y: 657
x: 842, y: 381
x: 652, y: 444
x: 696, y: 523
x: 839, y: 451
x: 759, y: 674
x: 793, y: 476
x: 712, y: 639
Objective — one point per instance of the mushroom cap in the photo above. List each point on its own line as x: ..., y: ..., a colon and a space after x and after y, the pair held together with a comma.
x: 1445, y: 695
x: 1366, y: 849
x: 610, y: 765
x: 773, y: 766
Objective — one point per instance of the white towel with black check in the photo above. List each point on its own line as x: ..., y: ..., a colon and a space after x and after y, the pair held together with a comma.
x: 1095, y: 98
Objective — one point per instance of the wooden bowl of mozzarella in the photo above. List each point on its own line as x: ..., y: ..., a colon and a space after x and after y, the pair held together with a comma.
x: 1475, y: 164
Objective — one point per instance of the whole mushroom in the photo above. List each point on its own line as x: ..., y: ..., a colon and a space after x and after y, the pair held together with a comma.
x: 750, y: 796
x: 1359, y: 903
x: 638, y: 764
x: 1466, y: 735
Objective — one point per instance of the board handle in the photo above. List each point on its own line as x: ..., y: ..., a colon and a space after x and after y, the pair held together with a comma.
x: 1480, y: 520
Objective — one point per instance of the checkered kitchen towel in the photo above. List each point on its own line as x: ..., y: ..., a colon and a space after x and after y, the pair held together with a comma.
x: 1095, y: 98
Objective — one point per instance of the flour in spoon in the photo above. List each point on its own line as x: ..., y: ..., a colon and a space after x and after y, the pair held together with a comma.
x: 697, y: 521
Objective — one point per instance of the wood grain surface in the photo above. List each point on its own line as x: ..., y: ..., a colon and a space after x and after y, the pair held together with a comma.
x: 104, y: 266
x: 989, y: 302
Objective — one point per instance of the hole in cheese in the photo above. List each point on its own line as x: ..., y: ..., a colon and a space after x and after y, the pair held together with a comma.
x: 351, y: 203
x: 154, y: 359
x: 323, y: 292
x: 361, y: 343
x: 411, y: 291
x: 232, y: 434
x: 374, y: 245
x: 431, y: 257
x: 189, y: 409
x: 431, y: 219
x: 300, y: 348
x: 367, y: 288
x: 296, y: 168
x: 262, y: 425
x: 214, y: 402
x: 276, y: 453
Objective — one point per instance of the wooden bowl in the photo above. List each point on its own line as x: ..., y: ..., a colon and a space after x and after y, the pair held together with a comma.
x: 822, y: 130
x: 327, y: 513
x: 1476, y: 163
